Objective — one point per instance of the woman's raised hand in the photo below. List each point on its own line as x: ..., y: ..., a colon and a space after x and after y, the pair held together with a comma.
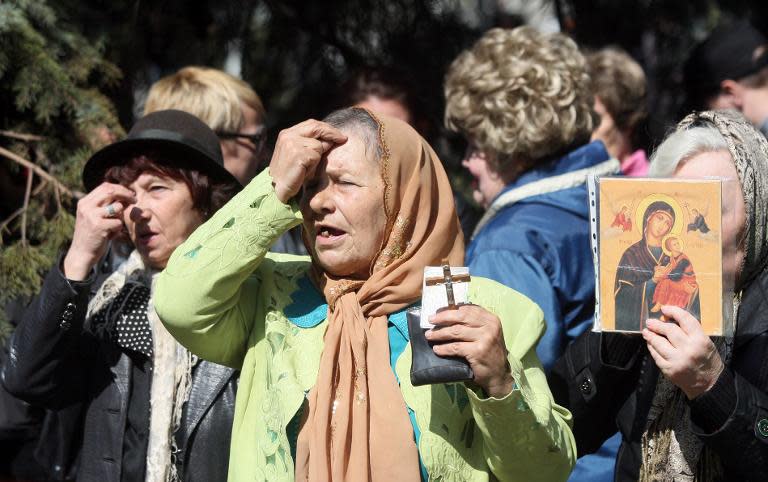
x: 298, y: 152
x: 683, y: 352
x: 475, y: 334
x: 98, y: 220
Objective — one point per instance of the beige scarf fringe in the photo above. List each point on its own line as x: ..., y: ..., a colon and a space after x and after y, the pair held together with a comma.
x: 670, y: 450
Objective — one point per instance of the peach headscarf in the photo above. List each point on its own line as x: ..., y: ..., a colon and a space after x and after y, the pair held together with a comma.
x: 357, y: 427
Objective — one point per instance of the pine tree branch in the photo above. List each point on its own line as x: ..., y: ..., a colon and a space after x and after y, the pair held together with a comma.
x: 27, y: 195
x: 40, y: 172
x: 57, y: 193
x: 9, y: 219
x: 21, y: 136
x: 20, y: 211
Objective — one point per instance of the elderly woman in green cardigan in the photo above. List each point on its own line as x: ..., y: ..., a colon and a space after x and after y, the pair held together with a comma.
x: 321, y: 342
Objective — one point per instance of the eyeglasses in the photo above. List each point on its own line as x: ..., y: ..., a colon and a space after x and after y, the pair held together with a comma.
x: 254, y: 138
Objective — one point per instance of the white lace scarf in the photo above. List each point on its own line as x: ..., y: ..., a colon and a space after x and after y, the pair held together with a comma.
x: 171, y: 373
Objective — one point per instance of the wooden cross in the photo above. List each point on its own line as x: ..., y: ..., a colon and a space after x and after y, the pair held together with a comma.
x: 448, y: 280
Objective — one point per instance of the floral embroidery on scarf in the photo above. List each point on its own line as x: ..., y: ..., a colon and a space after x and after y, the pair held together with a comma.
x: 397, y: 245
x: 385, y: 155
x: 340, y: 290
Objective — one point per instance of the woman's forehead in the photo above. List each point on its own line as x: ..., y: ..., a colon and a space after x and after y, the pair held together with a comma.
x: 150, y: 176
x: 352, y: 156
x: 705, y: 164
x: 147, y: 177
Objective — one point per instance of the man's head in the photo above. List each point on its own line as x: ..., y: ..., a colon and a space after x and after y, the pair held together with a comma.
x: 520, y: 97
x: 729, y: 70
x: 227, y: 104
x: 386, y: 90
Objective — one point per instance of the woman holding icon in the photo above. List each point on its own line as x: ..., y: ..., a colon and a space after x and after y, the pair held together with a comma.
x: 689, y: 407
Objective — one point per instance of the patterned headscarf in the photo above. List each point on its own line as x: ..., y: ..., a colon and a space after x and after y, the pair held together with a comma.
x: 670, y: 450
x: 358, y: 427
x: 749, y: 150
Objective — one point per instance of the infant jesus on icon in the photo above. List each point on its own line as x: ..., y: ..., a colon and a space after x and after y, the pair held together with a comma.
x: 677, y: 283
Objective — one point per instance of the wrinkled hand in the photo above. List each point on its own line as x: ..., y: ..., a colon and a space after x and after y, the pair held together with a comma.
x: 95, y: 227
x: 474, y: 333
x: 683, y: 353
x: 297, y: 153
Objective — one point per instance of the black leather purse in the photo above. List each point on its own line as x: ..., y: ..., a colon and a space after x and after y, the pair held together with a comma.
x: 428, y: 368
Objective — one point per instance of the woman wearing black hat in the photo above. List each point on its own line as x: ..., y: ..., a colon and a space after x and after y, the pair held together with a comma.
x: 151, y: 410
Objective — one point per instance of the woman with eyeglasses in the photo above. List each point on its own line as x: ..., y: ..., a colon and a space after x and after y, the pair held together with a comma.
x: 235, y: 112
x: 228, y: 105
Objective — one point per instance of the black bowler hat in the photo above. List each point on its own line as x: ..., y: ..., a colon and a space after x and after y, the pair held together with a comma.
x: 178, y: 133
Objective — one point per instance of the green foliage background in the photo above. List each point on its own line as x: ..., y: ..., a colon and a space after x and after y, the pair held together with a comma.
x: 50, y: 81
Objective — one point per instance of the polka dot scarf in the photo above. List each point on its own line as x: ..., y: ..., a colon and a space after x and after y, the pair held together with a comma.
x: 126, y: 319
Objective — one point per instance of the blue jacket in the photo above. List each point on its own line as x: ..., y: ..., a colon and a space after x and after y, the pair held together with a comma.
x: 540, y: 247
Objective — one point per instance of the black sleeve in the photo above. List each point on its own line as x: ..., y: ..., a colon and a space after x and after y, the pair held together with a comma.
x: 593, y: 379
x: 732, y: 417
x: 47, y: 355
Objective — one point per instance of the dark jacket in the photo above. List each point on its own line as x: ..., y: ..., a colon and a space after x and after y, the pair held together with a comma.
x: 20, y: 423
x: 608, y: 381
x: 56, y: 363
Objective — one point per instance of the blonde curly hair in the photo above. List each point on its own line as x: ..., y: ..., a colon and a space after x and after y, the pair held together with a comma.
x: 521, y: 97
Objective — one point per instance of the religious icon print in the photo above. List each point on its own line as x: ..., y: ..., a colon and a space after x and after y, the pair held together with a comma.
x: 659, y: 244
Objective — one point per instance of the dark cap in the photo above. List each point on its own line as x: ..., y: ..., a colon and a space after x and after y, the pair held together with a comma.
x: 180, y: 134
x: 730, y: 52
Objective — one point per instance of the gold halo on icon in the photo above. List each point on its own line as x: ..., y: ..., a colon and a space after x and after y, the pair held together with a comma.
x: 677, y: 228
x: 672, y: 236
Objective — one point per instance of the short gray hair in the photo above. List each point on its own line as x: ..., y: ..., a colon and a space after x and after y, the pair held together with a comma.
x: 363, y: 123
x: 682, y: 145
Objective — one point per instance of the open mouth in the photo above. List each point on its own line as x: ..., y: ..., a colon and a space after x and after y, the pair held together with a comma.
x: 326, y: 234
x: 146, y: 237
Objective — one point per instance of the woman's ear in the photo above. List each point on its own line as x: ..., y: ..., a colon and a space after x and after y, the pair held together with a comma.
x: 731, y: 96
